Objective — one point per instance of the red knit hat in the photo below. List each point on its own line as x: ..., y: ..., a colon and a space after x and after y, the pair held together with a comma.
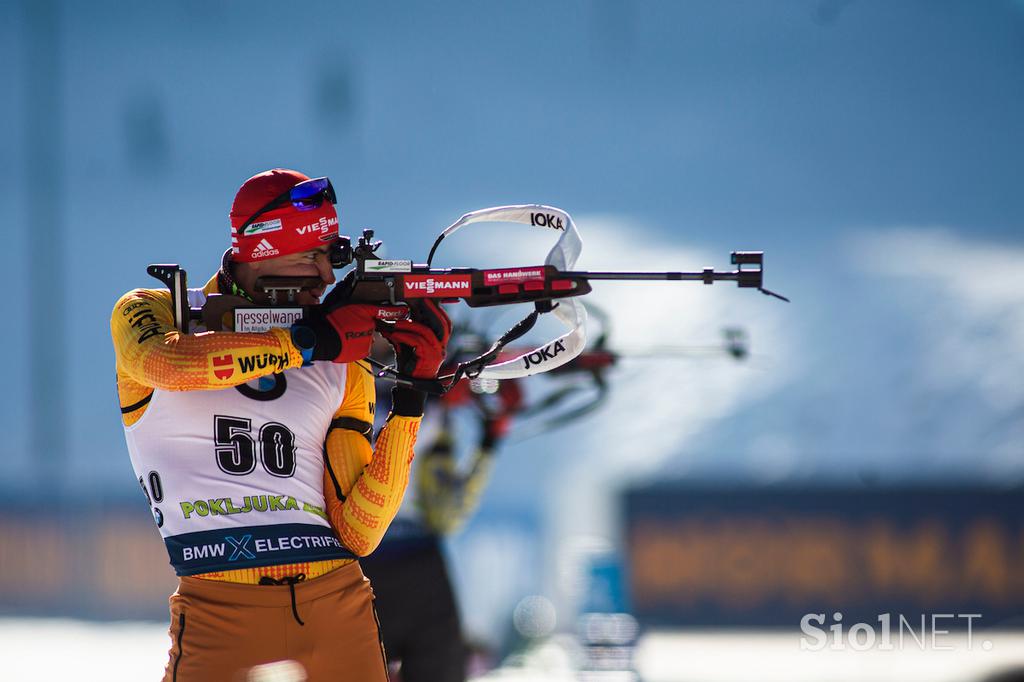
x: 280, y: 231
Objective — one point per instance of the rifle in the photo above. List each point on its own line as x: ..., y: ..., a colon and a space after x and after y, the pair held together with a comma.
x: 552, y: 287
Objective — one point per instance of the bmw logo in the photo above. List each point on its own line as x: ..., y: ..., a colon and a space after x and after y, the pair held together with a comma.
x: 269, y: 387
x: 158, y: 516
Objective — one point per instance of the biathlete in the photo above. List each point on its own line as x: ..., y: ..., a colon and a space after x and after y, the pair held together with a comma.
x: 254, y: 449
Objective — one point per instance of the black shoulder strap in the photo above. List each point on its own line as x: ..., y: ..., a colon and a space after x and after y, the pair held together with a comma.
x: 135, y: 406
x: 334, y: 478
x: 352, y: 424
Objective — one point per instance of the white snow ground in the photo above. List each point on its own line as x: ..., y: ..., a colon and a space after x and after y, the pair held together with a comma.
x: 48, y: 650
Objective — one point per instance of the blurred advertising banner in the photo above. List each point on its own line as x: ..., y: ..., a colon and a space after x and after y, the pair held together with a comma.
x: 712, y: 557
x: 97, y: 562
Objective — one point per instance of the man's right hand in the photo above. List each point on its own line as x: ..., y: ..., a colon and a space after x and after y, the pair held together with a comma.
x: 342, y: 333
x: 420, y: 342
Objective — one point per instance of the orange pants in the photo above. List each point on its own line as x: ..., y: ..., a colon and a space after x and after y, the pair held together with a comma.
x: 221, y: 630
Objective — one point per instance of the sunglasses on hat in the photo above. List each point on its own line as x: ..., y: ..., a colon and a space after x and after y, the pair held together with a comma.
x: 305, y: 196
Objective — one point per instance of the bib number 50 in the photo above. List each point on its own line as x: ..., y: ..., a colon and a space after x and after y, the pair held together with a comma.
x: 236, y: 448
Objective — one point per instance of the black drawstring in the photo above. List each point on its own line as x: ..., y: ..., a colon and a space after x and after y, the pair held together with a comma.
x: 290, y: 581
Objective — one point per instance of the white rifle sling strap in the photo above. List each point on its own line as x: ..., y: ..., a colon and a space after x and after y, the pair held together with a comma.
x: 569, y: 311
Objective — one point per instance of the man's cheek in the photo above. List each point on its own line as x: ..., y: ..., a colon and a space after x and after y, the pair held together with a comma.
x: 326, y: 273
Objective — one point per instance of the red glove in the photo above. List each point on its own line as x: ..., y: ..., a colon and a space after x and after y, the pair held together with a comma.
x: 344, y: 334
x: 420, y: 343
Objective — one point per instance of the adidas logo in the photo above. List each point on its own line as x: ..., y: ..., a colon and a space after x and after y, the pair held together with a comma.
x: 264, y: 250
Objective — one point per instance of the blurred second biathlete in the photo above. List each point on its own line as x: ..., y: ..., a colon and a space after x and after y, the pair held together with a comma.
x: 414, y: 595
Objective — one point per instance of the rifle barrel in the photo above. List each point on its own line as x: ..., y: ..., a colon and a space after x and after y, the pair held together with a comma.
x: 661, y: 276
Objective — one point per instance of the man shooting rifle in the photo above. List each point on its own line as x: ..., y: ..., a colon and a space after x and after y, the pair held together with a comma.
x: 254, y: 449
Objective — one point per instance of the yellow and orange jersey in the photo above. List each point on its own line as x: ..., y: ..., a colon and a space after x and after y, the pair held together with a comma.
x: 152, y: 353
x: 362, y: 484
